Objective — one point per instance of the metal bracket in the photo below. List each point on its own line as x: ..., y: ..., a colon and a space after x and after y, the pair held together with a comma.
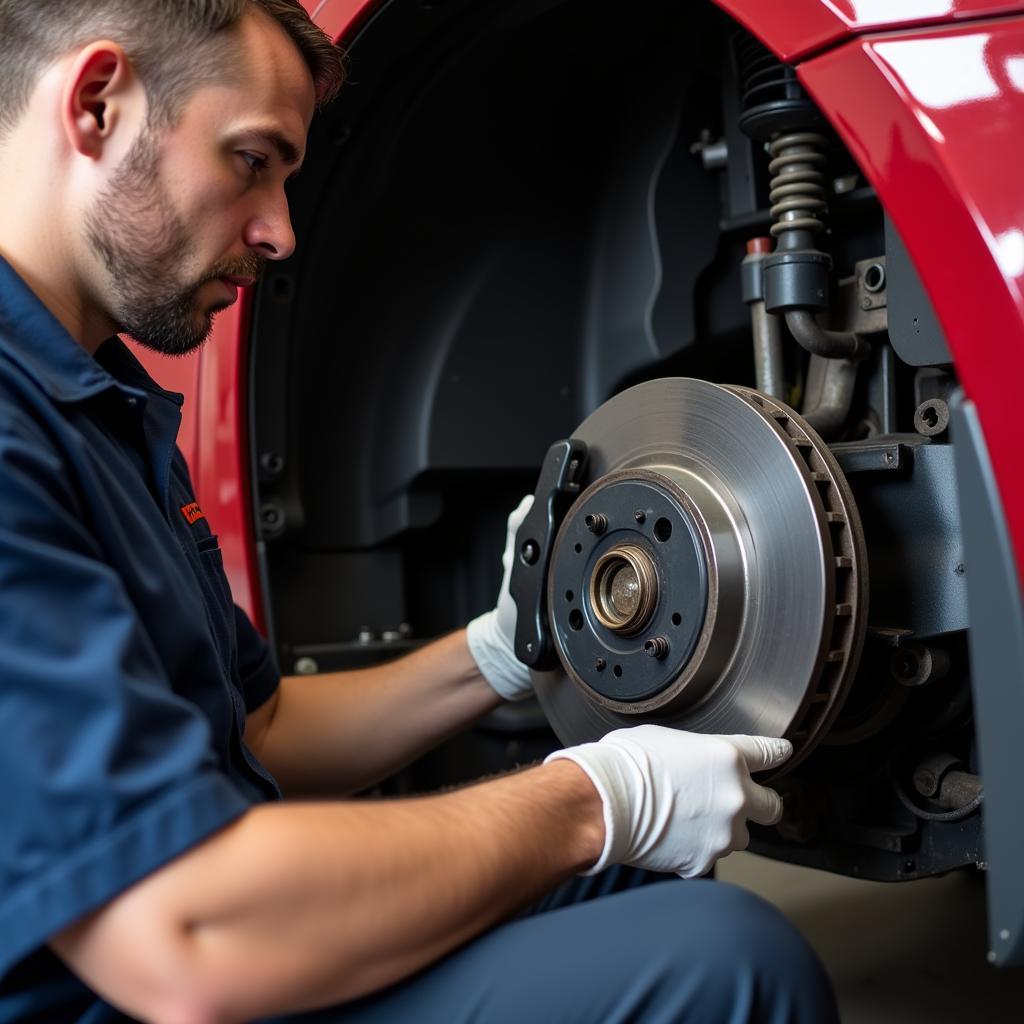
x: 558, y: 487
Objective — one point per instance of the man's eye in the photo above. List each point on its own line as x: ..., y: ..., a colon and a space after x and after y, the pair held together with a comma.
x: 256, y: 163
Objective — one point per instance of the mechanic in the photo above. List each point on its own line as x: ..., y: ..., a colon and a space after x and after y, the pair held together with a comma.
x: 149, y: 864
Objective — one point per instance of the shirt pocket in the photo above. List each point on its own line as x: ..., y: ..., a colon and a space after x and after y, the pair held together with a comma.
x: 217, y: 596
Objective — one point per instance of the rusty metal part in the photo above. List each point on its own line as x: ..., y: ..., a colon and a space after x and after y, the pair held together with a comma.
x: 958, y: 790
x: 931, y: 417
x: 916, y: 664
x: 859, y: 309
x: 624, y: 589
x: 929, y: 773
x: 874, y: 277
x: 940, y: 779
x: 830, y: 385
x: 787, y: 569
x: 656, y: 647
x: 871, y: 282
x: 766, y: 328
x: 797, y: 190
x: 768, y: 363
x: 820, y: 341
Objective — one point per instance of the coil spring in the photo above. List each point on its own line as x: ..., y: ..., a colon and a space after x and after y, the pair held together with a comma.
x: 797, y: 192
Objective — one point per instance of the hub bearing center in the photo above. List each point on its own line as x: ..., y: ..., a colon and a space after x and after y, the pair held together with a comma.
x: 624, y: 589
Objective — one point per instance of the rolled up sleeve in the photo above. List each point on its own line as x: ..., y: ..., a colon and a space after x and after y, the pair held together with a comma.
x: 108, y: 774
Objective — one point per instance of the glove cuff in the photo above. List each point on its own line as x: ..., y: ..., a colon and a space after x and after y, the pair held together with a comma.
x: 578, y: 755
x: 496, y: 660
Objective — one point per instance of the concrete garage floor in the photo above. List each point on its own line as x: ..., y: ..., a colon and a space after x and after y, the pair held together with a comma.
x: 910, y: 953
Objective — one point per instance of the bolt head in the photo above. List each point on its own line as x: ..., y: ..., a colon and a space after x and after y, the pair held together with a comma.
x: 530, y: 552
x: 656, y: 647
x: 640, y: 516
x: 600, y: 664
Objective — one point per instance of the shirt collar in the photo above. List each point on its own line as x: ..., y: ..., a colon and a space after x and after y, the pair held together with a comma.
x: 35, y: 340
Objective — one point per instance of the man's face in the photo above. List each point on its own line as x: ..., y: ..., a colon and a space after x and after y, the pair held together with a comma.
x: 195, y: 212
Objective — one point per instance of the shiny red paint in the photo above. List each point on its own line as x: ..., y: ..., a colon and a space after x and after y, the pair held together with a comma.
x: 796, y: 29
x: 221, y: 470
x: 339, y: 18
x: 935, y: 118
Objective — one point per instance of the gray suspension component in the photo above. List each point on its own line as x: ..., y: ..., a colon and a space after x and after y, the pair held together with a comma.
x: 796, y: 274
x: 791, y: 283
x: 765, y: 327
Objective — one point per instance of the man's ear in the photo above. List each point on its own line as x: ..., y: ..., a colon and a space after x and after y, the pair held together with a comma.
x: 91, y: 103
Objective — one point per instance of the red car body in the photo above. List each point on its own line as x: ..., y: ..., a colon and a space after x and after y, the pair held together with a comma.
x: 928, y: 96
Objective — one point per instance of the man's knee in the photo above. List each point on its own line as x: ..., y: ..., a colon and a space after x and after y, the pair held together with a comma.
x: 733, y: 957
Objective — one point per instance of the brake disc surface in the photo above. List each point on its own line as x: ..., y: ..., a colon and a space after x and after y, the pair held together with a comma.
x: 710, y: 577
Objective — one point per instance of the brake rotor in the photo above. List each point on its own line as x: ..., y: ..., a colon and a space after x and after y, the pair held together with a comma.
x: 712, y: 577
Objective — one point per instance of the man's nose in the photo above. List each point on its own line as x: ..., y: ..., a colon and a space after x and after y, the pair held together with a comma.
x: 270, y: 232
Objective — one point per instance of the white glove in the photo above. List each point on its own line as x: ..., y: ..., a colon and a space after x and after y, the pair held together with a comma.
x: 492, y: 636
x: 677, y: 801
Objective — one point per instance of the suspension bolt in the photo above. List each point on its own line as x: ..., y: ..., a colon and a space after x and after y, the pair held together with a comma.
x: 596, y: 523
x: 656, y: 647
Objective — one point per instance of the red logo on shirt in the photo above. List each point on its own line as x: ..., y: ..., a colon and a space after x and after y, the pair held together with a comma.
x: 192, y: 513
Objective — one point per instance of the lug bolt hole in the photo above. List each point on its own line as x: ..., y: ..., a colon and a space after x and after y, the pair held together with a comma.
x: 617, y: 671
x: 677, y: 619
x: 663, y: 529
x: 576, y: 619
x: 569, y: 596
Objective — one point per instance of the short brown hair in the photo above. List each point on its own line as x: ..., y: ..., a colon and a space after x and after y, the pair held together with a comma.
x: 175, y: 45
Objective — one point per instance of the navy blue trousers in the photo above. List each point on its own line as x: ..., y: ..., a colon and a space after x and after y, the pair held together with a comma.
x: 624, y: 946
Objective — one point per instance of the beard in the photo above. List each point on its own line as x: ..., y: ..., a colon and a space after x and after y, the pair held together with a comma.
x: 143, y: 243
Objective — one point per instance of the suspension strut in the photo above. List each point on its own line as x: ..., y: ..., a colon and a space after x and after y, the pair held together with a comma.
x: 794, y: 278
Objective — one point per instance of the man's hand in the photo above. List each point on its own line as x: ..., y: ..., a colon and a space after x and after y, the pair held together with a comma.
x: 491, y: 637
x: 677, y: 801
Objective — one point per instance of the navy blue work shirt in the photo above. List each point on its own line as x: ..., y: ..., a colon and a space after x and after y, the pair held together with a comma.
x: 126, y: 670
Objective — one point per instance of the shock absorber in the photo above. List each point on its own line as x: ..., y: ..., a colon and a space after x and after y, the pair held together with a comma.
x: 797, y: 191
x: 792, y: 281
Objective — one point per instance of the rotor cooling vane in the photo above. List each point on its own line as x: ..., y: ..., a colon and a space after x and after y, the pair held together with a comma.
x: 694, y: 557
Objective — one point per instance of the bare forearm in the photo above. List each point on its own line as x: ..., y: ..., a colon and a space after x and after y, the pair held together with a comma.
x: 338, y: 734
x: 304, y: 905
